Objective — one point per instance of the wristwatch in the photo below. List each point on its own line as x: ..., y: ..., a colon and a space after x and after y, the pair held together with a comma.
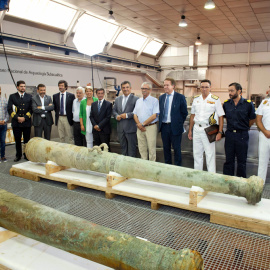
x: 221, y: 132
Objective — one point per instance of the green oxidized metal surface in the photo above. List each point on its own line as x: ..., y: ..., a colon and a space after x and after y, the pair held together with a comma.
x: 82, y: 158
x: 88, y: 240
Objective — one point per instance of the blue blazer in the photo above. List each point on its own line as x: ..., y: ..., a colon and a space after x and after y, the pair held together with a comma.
x: 178, y: 112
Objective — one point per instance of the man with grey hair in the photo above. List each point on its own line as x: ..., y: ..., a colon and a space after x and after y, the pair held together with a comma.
x: 146, y: 113
x: 126, y: 126
x: 79, y: 138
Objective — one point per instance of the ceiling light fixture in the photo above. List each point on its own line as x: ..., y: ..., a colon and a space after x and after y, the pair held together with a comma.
x: 111, y: 17
x: 183, y: 22
x: 198, y: 41
x: 209, y: 4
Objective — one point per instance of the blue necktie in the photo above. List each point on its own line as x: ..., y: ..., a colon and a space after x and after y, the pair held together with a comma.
x: 62, y: 105
x: 99, y: 103
x: 166, y: 109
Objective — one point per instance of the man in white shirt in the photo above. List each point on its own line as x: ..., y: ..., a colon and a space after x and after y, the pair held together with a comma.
x: 203, y: 107
x: 263, y: 123
x: 42, y: 107
x: 146, y: 113
x: 79, y: 138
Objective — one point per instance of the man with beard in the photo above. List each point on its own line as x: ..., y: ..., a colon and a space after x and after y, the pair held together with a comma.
x: 20, y: 109
x: 240, y: 115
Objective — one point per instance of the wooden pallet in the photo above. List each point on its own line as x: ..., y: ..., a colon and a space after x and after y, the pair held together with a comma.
x: 178, y: 197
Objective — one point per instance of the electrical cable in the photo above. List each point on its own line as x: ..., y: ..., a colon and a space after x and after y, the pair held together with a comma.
x: 98, y: 72
x: 6, y: 57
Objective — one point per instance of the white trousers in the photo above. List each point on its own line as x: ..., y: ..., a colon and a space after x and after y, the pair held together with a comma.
x: 201, y: 144
x: 264, y: 151
x: 89, y: 139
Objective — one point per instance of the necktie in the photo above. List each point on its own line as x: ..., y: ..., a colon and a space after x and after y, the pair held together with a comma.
x: 166, y: 109
x: 125, y: 102
x: 62, y: 105
x: 21, y: 96
x: 99, y: 105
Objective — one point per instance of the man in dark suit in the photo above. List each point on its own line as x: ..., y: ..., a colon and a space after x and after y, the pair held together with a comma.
x: 42, y: 117
x: 20, y: 109
x: 126, y: 126
x: 100, y: 117
x: 173, y: 113
x: 63, y: 112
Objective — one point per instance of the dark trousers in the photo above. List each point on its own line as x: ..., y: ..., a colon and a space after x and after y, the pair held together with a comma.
x: 43, y: 127
x: 99, y: 138
x: 3, y: 132
x: 169, y: 140
x: 236, y: 145
x: 128, y: 142
x: 79, y: 138
x: 18, y: 132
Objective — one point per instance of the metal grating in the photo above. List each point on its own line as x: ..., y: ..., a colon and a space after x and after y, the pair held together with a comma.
x: 221, y: 247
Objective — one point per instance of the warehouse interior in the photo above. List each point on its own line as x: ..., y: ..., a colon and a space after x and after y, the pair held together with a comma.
x: 44, y: 41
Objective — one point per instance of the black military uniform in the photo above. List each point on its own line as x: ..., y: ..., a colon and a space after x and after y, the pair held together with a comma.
x: 237, y: 137
x: 20, y: 107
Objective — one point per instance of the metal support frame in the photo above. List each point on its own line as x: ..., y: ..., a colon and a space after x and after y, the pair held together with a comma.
x: 117, y: 33
x: 74, y: 21
x: 143, y: 47
x: 2, y: 15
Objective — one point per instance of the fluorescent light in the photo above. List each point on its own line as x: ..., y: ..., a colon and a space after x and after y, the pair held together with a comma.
x: 130, y: 40
x: 43, y: 11
x: 198, y: 41
x: 111, y: 17
x: 209, y: 4
x: 183, y: 22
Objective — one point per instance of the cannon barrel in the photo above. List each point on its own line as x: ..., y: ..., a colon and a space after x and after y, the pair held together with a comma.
x: 88, y: 240
x: 82, y: 158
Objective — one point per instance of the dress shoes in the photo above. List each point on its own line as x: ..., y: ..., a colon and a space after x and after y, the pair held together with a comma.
x: 17, y: 159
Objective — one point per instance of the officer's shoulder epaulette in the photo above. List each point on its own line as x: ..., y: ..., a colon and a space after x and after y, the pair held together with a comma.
x: 196, y: 96
x: 226, y: 100
x: 214, y: 97
x: 248, y: 100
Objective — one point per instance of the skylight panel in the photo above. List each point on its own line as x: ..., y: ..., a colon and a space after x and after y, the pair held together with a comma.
x: 153, y: 47
x: 43, y: 11
x: 130, y: 40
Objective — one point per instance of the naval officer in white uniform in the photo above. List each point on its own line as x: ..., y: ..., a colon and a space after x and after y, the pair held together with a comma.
x: 263, y: 123
x: 203, y: 107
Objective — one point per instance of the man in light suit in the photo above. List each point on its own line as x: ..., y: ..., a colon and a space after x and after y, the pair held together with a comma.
x: 126, y: 126
x: 42, y: 107
x: 100, y: 117
x: 173, y: 113
x: 63, y: 102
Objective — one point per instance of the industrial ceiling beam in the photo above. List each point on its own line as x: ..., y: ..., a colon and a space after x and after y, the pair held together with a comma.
x: 143, y: 47
x: 74, y: 21
x: 117, y: 33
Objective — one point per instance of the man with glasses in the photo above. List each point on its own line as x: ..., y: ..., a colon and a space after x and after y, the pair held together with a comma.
x: 146, y: 113
x: 203, y: 107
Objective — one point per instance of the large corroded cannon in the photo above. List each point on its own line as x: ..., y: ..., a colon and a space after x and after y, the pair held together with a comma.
x: 82, y: 158
x: 88, y: 240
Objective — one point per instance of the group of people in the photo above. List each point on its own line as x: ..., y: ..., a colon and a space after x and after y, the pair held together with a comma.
x: 85, y: 121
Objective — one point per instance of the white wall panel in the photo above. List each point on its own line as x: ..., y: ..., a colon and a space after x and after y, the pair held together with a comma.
x: 174, y: 60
